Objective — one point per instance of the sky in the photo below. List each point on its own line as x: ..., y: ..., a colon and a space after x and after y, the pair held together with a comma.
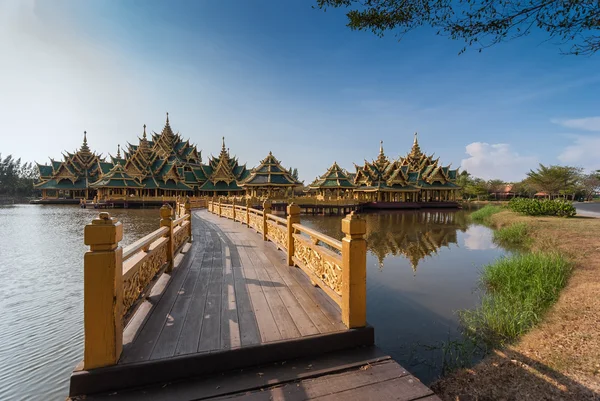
x: 282, y: 76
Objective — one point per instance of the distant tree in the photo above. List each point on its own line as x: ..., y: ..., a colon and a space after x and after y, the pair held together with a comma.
x: 495, y: 186
x: 16, y: 179
x: 590, y: 184
x: 481, y: 23
x: 556, y: 180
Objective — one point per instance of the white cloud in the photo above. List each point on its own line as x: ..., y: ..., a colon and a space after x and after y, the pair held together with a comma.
x: 489, y: 161
x: 584, y: 152
x: 479, y: 238
x: 586, y: 124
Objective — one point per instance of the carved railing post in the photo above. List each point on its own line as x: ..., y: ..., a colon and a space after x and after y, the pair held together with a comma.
x: 103, y: 292
x: 166, y: 220
x: 266, y: 210
x: 220, y: 210
x: 188, y: 210
x: 248, y: 212
x: 233, y: 208
x: 354, y: 271
x: 293, y: 217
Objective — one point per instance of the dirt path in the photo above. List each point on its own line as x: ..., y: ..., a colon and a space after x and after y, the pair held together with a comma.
x: 560, y: 358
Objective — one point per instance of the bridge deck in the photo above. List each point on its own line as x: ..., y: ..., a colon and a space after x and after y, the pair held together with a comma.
x: 234, y: 320
x: 236, y: 291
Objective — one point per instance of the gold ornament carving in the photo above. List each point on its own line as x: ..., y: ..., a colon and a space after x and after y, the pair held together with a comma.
x: 322, y: 266
x: 277, y: 234
x: 134, y: 286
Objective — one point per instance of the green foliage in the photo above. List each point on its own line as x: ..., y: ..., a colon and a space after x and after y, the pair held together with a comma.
x: 542, y: 207
x: 483, y: 215
x: 513, y: 235
x: 519, y: 289
x: 556, y: 180
x: 480, y: 23
x: 16, y: 179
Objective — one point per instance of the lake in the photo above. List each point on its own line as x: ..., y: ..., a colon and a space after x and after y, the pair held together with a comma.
x: 421, y: 268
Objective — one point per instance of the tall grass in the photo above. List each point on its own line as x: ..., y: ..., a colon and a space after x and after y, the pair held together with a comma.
x: 483, y: 215
x: 515, y: 235
x: 518, y: 290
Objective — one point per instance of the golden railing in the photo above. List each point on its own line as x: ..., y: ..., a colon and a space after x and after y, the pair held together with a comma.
x: 337, y: 267
x: 117, y: 280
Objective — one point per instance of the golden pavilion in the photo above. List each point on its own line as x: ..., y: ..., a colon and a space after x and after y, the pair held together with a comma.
x: 163, y: 165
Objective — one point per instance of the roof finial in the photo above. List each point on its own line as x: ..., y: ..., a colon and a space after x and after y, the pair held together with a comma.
x: 380, y: 147
x: 118, y: 151
x: 84, y: 146
x: 416, y: 141
x: 167, y: 118
x: 144, y: 131
x: 223, y: 145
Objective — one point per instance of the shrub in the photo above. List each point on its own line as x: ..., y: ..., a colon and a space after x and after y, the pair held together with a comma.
x: 518, y: 290
x: 542, y: 207
x: 483, y: 215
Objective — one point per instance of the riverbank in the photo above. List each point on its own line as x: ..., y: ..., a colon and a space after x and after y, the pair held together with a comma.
x: 558, y: 359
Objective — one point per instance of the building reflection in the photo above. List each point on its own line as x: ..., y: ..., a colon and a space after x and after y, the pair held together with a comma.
x: 414, y: 235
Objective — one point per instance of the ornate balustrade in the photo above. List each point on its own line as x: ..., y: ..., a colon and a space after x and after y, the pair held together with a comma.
x: 117, y: 280
x: 337, y: 267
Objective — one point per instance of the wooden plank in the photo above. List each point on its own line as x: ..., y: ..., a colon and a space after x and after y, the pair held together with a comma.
x: 248, y: 326
x: 141, y: 348
x: 285, y: 323
x: 327, y: 384
x: 210, y: 335
x: 167, y: 341
x: 260, y: 308
x: 324, y: 319
x: 239, y: 381
x: 276, y: 266
x: 190, y: 333
x: 230, y: 330
x: 405, y: 388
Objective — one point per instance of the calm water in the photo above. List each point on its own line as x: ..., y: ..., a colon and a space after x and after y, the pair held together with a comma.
x: 41, y: 294
x: 422, y: 267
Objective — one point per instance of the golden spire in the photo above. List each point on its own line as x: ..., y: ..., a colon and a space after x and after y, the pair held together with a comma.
x: 167, y: 118
x: 84, y: 147
x: 144, y: 136
x: 416, y: 150
x: 223, y: 145
x: 380, y: 147
x: 118, y: 151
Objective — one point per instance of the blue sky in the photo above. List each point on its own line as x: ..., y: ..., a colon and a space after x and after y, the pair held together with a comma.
x: 281, y: 76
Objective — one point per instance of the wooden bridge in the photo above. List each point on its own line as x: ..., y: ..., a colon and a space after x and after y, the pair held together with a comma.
x: 210, y: 306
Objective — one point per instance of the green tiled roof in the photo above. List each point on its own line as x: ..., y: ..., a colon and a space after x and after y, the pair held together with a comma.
x: 63, y: 184
x: 335, y: 177
x: 170, y: 184
x: 116, y: 178
x: 270, y: 172
x: 220, y: 186
x: 45, y: 171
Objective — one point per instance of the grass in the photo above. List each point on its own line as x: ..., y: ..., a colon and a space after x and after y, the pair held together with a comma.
x: 484, y: 214
x: 515, y: 234
x: 519, y: 289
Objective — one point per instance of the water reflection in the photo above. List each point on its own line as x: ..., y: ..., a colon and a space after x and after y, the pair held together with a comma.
x: 421, y: 268
x: 410, y: 234
x: 41, y: 294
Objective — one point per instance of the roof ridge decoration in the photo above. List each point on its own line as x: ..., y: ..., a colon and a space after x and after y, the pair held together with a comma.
x: 223, y: 170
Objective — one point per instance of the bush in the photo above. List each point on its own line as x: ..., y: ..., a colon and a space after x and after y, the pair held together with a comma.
x: 483, y: 215
x: 518, y: 290
x: 542, y: 207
